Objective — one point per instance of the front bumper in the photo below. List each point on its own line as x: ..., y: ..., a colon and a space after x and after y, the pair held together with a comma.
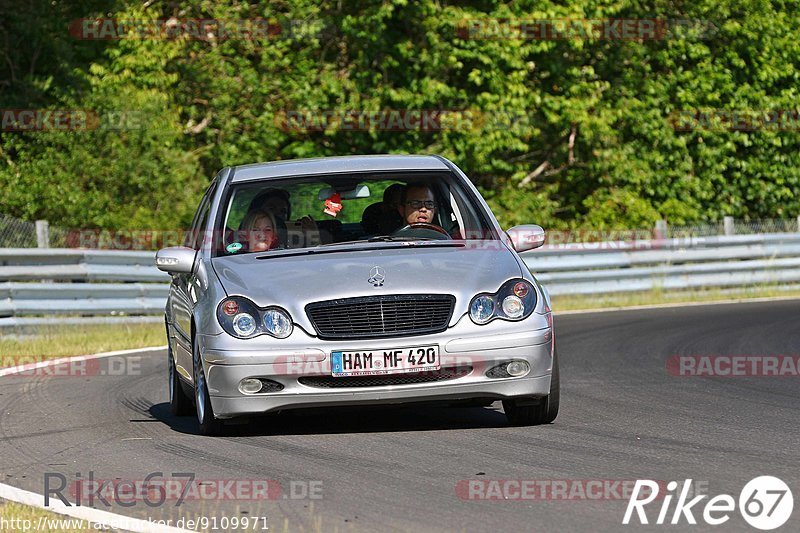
x: 472, y: 349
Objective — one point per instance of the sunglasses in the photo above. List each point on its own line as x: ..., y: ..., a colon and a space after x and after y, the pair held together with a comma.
x: 416, y: 204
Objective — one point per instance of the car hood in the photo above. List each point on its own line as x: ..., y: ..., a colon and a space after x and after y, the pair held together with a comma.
x: 294, y: 281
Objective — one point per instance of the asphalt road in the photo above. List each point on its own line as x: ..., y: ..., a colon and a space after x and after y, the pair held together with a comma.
x: 623, y: 417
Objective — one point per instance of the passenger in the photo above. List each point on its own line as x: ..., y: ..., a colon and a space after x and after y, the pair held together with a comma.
x: 276, y: 201
x: 417, y: 205
x: 382, y: 218
x: 392, y: 197
x: 260, y: 231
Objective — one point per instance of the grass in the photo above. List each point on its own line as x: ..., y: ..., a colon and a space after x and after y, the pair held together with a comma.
x: 26, y: 518
x: 17, y: 517
x: 656, y: 297
x: 82, y: 340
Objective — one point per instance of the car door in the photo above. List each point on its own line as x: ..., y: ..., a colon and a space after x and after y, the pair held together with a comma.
x: 182, y: 291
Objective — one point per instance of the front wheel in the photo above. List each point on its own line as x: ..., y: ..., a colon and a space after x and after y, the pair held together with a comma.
x: 521, y: 413
x: 209, y: 425
x: 179, y: 403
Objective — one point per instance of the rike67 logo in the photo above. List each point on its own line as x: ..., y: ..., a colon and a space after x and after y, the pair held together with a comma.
x: 765, y: 503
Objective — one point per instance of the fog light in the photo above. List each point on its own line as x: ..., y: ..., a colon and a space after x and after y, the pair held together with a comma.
x: 516, y: 369
x: 250, y: 385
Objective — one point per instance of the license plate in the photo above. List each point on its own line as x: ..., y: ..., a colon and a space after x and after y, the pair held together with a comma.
x: 389, y: 361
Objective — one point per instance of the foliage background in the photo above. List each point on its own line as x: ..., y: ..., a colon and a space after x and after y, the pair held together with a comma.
x: 204, y: 104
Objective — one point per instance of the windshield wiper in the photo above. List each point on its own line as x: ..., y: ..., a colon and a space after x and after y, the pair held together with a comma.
x: 389, y: 238
x: 365, y: 245
x: 379, y: 238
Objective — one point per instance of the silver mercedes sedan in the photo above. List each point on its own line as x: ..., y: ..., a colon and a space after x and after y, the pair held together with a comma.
x: 352, y: 281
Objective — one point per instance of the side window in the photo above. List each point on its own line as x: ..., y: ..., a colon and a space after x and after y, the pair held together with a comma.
x: 197, y: 231
x: 238, y: 208
x: 463, y: 217
x: 195, y: 237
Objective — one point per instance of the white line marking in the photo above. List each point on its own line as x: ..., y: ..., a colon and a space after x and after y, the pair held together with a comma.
x: 91, y: 515
x: 94, y: 516
x: 62, y: 360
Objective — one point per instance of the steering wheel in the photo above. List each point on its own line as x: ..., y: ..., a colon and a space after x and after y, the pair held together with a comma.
x: 420, y: 229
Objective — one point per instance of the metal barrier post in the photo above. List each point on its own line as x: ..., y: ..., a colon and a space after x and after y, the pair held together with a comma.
x: 661, y: 229
x: 727, y: 224
x: 42, y: 234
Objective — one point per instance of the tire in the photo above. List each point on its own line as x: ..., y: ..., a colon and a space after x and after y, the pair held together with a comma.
x: 521, y: 413
x: 210, y: 426
x: 180, y: 404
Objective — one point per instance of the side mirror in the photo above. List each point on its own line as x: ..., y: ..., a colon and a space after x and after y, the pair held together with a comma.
x: 526, y: 237
x: 176, y: 260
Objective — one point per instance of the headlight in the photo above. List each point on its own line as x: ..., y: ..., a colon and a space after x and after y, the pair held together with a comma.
x: 513, y: 307
x: 244, y: 325
x: 242, y: 319
x: 482, y: 309
x: 515, y: 300
x: 277, y: 323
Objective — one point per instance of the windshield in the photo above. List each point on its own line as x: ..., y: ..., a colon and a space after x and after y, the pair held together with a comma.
x: 309, y: 212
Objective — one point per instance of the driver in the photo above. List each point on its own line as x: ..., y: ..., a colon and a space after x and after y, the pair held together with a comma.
x: 417, y: 205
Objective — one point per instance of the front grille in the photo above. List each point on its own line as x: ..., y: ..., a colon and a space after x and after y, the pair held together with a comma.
x: 330, y: 382
x: 381, y: 316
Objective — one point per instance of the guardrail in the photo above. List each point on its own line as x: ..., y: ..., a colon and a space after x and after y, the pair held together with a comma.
x: 88, y: 286
x: 26, y: 264
x: 125, y: 286
x: 672, y: 264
